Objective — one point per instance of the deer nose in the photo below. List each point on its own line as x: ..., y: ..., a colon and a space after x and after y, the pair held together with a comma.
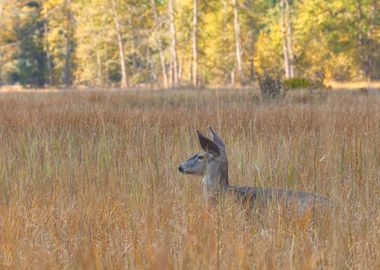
x: 180, y: 169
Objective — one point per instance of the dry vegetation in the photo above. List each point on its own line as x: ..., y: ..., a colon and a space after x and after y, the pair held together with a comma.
x: 89, y: 180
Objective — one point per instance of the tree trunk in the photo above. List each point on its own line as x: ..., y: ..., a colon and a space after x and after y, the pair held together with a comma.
x: 124, y: 72
x: 364, y: 38
x: 225, y: 18
x: 233, y: 78
x: 48, y: 56
x: 69, y: 46
x: 151, y: 72
x: 190, y: 79
x: 252, y: 27
x: 180, y: 68
x: 290, y: 40
x: 284, y: 40
x: 173, y: 47
x: 99, y: 68
x: 1, y: 16
x: 227, y: 78
x: 360, y: 38
x: 371, y: 41
x: 239, y: 60
x: 251, y: 60
x: 123, y: 66
x: 1, y: 10
x: 162, y: 58
x: 67, y: 68
x: 107, y: 69
x: 195, y: 43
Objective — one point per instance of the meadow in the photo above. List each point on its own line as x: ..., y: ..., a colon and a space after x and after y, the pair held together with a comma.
x: 88, y: 180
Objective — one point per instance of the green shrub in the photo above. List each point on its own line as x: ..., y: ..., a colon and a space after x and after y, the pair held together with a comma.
x: 296, y: 83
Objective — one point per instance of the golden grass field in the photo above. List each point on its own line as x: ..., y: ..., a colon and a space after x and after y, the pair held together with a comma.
x: 89, y: 180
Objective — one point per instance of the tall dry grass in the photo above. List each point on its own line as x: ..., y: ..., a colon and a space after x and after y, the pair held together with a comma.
x: 89, y: 181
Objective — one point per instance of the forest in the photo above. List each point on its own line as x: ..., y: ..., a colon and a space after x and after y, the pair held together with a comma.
x: 186, y: 43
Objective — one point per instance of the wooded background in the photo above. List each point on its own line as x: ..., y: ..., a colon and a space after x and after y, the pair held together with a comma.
x: 173, y: 43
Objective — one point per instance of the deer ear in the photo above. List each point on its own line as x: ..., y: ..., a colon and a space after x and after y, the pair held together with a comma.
x: 208, y: 145
x: 215, y: 137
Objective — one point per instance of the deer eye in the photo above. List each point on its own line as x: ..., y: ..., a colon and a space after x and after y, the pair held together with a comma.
x: 201, y: 157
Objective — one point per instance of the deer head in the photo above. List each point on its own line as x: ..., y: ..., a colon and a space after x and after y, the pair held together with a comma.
x: 211, y: 164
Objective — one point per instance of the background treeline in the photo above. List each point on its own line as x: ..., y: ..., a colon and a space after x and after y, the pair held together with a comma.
x: 172, y: 43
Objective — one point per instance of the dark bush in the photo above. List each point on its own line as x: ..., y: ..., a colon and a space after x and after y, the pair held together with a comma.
x: 270, y: 86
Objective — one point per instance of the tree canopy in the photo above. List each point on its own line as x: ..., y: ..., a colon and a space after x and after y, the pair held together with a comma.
x: 161, y: 43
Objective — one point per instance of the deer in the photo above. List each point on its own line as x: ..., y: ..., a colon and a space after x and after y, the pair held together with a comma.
x: 212, y: 166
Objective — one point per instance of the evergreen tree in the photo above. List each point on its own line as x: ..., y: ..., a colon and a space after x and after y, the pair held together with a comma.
x: 30, y: 59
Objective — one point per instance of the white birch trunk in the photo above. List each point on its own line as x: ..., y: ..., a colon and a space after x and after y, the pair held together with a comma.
x: 284, y: 40
x: 195, y: 43
x: 239, y: 60
x: 173, y: 48
x: 162, y: 58
x: 290, y: 40
x: 124, y: 84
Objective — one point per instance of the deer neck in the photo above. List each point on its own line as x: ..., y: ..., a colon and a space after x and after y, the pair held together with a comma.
x: 216, y: 181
